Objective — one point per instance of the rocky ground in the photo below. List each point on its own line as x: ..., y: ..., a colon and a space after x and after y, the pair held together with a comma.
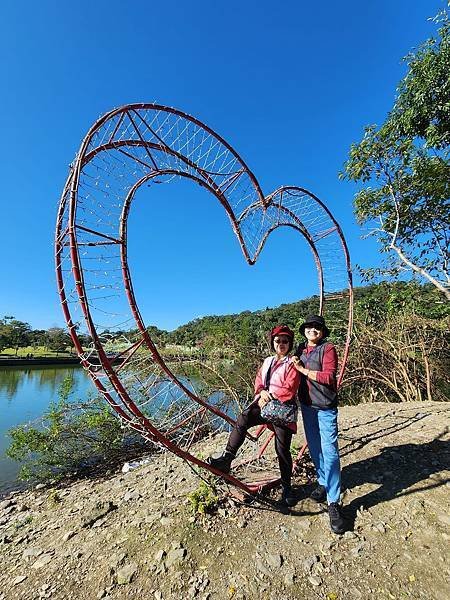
x: 134, y: 535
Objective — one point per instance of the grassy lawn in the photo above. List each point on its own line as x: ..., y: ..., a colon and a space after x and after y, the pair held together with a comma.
x: 39, y: 351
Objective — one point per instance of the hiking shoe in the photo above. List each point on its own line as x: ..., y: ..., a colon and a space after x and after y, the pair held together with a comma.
x: 319, y: 494
x: 288, y: 496
x: 222, y: 462
x: 337, y: 522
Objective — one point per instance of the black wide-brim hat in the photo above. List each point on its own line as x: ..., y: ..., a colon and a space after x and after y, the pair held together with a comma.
x: 315, y: 320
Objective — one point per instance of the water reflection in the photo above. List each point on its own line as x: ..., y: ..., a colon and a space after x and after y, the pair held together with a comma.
x: 25, y: 394
x: 47, y: 379
x: 9, y: 382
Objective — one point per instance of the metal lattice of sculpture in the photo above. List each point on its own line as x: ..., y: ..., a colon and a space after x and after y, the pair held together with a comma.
x: 141, y: 144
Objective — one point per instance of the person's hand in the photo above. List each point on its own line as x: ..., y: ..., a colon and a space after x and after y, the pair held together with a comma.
x: 264, y: 398
x: 297, y: 363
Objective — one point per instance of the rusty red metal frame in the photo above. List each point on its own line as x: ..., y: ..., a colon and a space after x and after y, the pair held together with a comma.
x: 66, y: 234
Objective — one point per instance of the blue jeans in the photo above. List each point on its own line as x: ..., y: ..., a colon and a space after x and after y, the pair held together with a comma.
x: 321, y: 431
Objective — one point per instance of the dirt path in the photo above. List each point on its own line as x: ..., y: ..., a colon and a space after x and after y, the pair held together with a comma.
x: 134, y: 536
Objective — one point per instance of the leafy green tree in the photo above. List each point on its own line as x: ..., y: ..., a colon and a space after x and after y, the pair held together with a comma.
x: 4, y: 337
x: 13, y: 333
x: 58, y: 339
x: 405, y: 169
x: 422, y: 106
x: 38, y: 337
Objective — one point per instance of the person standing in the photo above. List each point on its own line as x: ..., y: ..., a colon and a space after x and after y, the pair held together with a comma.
x: 317, y: 361
x: 276, y: 379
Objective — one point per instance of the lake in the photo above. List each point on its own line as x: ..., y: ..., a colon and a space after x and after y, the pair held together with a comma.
x: 25, y: 394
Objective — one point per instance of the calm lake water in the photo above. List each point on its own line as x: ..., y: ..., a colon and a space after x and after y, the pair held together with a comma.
x: 26, y: 393
x: 24, y: 396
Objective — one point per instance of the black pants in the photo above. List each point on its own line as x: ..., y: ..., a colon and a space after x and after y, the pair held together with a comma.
x: 250, y: 417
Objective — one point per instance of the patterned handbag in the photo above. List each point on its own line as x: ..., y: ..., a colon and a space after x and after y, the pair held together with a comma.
x: 276, y: 412
x: 279, y: 413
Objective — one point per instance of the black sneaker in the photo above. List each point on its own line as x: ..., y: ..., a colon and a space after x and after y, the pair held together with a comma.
x: 222, y: 462
x: 319, y: 494
x: 337, y: 522
x: 288, y: 496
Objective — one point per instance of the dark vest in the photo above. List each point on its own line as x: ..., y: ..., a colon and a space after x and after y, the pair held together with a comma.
x: 312, y: 392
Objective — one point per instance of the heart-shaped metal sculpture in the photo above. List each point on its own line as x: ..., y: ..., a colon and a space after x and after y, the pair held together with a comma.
x: 139, y: 144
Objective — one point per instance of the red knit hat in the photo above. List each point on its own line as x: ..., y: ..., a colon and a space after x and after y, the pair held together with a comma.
x: 281, y: 330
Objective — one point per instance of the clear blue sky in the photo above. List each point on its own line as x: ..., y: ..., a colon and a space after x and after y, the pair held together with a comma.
x: 289, y: 85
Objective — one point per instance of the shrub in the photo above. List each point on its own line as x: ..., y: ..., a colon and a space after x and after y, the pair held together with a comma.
x: 204, y: 499
x: 70, y: 437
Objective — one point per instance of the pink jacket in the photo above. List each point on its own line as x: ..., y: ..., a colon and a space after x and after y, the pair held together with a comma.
x: 284, y: 379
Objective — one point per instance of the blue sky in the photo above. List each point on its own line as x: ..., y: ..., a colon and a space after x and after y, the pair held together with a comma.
x: 289, y: 85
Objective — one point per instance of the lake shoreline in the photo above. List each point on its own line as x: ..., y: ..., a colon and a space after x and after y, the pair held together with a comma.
x: 109, y: 467
x: 38, y: 361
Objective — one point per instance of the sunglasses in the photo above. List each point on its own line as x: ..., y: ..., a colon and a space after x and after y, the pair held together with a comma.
x: 281, y: 340
x: 314, y: 326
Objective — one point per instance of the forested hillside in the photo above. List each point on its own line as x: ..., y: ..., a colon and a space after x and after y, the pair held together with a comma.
x: 374, y: 304
x: 399, y: 350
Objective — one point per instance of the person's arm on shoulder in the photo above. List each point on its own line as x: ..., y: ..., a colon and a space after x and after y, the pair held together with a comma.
x: 327, y: 375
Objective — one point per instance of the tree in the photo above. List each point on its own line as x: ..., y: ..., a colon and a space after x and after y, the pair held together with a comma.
x: 14, y: 333
x: 38, y: 337
x: 4, y: 334
x: 405, y: 168
x: 58, y: 339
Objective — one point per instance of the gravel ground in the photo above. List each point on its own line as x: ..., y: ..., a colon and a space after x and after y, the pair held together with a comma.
x: 134, y: 535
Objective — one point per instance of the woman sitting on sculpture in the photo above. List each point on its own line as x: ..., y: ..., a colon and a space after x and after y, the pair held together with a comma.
x: 277, y: 379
